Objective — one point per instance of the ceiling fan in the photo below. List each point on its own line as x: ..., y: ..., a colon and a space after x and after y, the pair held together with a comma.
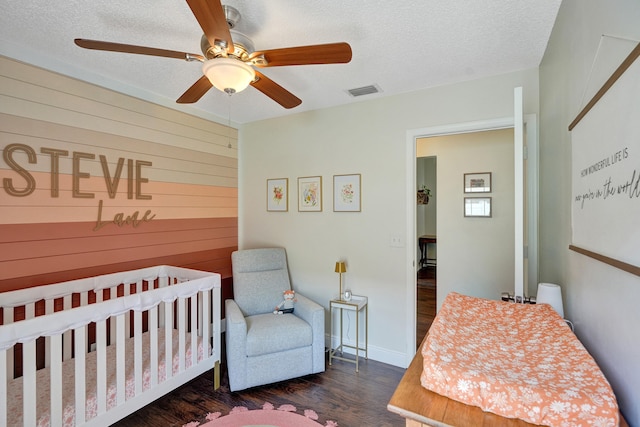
x: 228, y: 62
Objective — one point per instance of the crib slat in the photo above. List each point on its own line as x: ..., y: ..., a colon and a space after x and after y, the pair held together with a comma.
x: 204, y: 328
x: 80, y: 364
x: 120, y: 360
x: 29, y: 369
x: 181, y: 332
x: 127, y: 320
x: 162, y: 282
x: 101, y: 340
x: 153, y: 350
x: 101, y: 358
x: 48, y: 309
x: 137, y: 343
x: 7, y: 317
x: 194, y: 330
x: 56, y: 380
x: 113, y: 294
x: 201, y: 296
x: 30, y: 310
x: 84, y: 300
x: 3, y: 387
x: 168, y: 350
x: 66, y: 337
x: 217, y: 301
x: 29, y: 382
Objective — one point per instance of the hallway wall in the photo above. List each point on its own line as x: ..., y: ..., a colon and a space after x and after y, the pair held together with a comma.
x: 476, y: 255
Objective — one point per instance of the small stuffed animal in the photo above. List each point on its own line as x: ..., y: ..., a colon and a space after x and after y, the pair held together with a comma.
x: 286, y: 306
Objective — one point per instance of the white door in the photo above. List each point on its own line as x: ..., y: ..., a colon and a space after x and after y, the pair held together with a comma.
x: 518, y: 179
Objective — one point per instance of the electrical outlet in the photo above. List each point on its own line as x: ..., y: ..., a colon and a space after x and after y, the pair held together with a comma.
x: 396, y: 241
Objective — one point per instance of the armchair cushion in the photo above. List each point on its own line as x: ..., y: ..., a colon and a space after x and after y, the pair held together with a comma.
x: 273, y: 333
x: 260, y: 276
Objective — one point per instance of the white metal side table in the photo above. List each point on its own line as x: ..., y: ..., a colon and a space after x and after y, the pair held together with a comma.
x: 357, y: 304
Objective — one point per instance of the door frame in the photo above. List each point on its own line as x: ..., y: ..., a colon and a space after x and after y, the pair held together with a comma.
x: 531, y: 156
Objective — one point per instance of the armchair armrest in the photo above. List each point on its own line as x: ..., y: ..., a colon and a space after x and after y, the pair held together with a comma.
x: 236, y: 341
x: 236, y: 325
x: 307, y: 309
x: 313, y: 313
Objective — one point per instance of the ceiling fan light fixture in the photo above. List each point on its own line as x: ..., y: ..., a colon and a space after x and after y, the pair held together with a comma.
x: 228, y: 74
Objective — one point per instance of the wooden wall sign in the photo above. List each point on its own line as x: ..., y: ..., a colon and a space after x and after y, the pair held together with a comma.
x: 605, y: 204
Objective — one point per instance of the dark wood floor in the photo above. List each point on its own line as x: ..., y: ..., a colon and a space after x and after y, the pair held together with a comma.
x: 338, y: 394
x: 426, y: 301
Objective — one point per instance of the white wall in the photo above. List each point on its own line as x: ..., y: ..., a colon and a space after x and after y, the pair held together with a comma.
x: 476, y: 255
x: 602, y: 301
x: 369, y: 138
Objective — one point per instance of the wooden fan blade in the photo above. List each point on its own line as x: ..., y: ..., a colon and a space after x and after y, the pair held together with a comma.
x: 196, y: 91
x: 274, y: 91
x: 212, y: 20
x: 140, y: 50
x: 332, y: 53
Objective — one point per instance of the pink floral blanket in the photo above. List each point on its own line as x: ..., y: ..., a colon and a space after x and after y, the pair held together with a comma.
x: 515, y: 360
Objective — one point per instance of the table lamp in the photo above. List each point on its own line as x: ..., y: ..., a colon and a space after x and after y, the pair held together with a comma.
x: 550, y: 293
x: 341, y: 267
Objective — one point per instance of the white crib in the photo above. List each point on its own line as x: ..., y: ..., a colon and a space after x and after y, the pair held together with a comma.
x: 88, y: 358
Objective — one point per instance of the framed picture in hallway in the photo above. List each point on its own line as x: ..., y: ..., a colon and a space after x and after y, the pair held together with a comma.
x: 477, y: 206
x: 310, y: 194
x: 278, y: 195
x: 477, y: 182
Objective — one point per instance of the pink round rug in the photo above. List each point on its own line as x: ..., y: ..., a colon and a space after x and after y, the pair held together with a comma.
x: 268, y: 416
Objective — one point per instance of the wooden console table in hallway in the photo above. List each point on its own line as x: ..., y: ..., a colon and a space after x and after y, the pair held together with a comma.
x: 423, y: 244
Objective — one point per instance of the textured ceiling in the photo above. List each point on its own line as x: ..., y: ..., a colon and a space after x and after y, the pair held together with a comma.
x: 399, y: 46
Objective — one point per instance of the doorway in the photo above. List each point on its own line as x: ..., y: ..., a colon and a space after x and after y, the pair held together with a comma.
x: 530, y: 190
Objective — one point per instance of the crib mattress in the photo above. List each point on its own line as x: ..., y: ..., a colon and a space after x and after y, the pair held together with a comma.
x: 15, y: 390
x: 515, y: 360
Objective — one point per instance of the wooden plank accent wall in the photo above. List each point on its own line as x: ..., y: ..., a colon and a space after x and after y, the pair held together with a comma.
x: 94, y: 181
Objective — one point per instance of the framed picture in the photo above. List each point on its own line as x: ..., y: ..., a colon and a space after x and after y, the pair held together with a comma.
x: 346, y: 193
x: 278, y: 195
x: 310, y: 194
x: 477, y: 206
x: 477, y: 182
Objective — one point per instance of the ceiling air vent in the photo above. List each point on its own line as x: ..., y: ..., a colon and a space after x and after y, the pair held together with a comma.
x: 364, y: 90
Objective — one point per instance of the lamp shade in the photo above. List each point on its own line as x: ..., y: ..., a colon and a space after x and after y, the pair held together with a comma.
x: 228, y: 75
x: 341, y: 267
x: 549, y: 293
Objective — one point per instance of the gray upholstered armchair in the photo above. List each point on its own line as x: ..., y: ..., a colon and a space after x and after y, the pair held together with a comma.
x: 263, y: 347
